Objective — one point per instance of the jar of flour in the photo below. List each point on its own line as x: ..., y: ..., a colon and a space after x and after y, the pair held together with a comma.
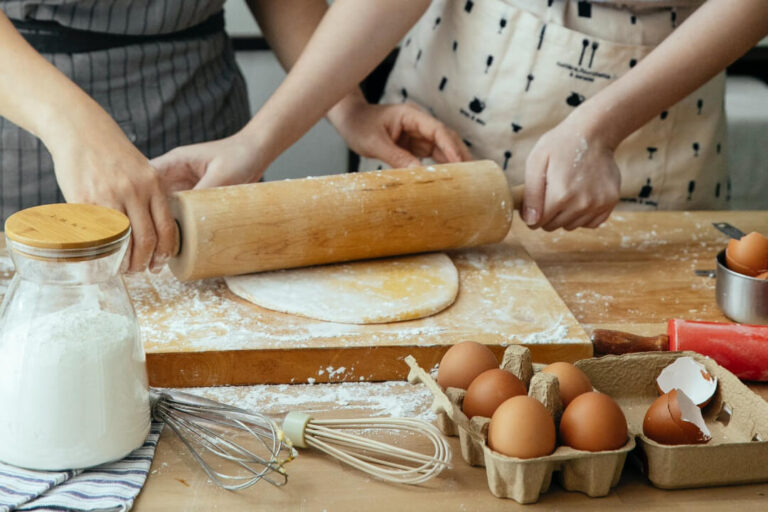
x: 73, y: 382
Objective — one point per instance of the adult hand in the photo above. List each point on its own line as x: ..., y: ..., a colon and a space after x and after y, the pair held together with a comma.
x: 571, y: 179
x: 228, y: 161
x: 400, y: 135
x: 102, y: 167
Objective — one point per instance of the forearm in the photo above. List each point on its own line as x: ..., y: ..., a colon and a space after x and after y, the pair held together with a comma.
x: 288, y: 25
x: 37, y: 96
x: 706, y: 43
x: 353, y: 37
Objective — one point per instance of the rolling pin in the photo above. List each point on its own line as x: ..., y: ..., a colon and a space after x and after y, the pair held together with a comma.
x: 295, y: 223
x: 742, y: 349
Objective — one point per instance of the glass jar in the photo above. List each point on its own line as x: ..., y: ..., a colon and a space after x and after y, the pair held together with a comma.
x: 73, y: 381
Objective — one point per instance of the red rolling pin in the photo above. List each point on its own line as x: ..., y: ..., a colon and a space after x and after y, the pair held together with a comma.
x: 740, y: 348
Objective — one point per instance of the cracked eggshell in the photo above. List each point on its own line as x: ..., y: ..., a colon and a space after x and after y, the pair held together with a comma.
x: 463, y: 362
x: 675, y: 419
x: 749, y: 255
x: 689, y: 376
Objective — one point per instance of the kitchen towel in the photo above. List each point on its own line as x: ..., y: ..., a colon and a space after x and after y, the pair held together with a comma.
x: 108, y: 487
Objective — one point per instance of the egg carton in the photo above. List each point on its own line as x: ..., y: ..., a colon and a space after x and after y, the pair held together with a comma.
x: 736, y: 417
x: 523, y: 480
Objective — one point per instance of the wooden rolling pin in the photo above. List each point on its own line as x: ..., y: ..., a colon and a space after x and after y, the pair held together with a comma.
x: 311, y: 221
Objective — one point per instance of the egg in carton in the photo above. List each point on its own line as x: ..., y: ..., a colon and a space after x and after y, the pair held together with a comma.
x: 736, y: 419
x: 592, y: 473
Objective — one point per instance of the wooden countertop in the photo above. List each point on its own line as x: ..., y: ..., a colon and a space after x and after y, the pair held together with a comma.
x: 635, y: 272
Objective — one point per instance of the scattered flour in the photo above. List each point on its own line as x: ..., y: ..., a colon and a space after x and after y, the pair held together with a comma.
x: 397, y: 399
x: 73, y: 387
x: 205, y: 316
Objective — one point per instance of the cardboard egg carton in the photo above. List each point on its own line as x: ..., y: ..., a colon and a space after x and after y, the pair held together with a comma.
x: 523, y: 480
x: 736, y: 417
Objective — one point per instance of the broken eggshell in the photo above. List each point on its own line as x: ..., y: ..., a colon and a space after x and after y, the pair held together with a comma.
x: 749, y: 255
x: 689, y: 376
x: 675, y: 419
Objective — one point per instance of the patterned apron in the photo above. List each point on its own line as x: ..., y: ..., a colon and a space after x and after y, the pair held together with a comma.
x: 502, y: 76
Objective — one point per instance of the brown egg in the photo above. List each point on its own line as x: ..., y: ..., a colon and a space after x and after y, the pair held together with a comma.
x: 463, y: 362
x: 749, y: 255
x: 664, y: 421
x: 593, y: 422
x: 573, y: 381
x: 764, y: 275
x: 522, y: 427
x: 489, y: 390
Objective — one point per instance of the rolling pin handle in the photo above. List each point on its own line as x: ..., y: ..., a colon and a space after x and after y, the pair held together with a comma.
x: 616, y: 342
x: 177, y: 239
x: 518, y: 195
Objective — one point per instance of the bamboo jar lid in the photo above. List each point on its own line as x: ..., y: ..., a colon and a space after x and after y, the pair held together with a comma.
x: 66, y: 226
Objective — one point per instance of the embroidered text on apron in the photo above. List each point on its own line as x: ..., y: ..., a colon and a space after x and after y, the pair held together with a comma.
x: 502, y: 76
x: 163, y: 93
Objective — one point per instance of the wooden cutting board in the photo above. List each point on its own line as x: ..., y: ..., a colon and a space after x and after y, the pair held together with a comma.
x: 200, y: 334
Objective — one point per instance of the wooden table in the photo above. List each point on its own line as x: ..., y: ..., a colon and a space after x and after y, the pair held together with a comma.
x: 635, y: 272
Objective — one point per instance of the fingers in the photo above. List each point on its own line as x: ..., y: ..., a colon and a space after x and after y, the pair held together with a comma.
x: 213, y: 179
x: 143, y: 235
x: 450, y: 145
x: 165, y: 228
x: 535, y: 188
x: 579, y: 221
x: 177, y: 169
x: 599, y: 219
x: 446, y: 142
x: 398, y: 158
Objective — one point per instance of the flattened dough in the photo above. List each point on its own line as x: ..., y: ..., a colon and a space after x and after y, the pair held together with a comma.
x: 361, y: 292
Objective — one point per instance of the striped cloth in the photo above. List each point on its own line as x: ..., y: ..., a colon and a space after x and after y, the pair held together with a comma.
x: 109, y: 487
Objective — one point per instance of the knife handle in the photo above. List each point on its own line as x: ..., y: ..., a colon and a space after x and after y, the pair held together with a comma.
x: 617, y: 342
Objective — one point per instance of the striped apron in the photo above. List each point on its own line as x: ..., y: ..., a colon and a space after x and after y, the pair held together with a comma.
x: 504, y: 72
x: 163, y: 91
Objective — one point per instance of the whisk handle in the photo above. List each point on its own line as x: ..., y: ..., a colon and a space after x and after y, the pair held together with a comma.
x: 294, y: 427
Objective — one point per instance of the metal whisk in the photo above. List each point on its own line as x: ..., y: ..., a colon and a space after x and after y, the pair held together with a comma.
x: 382, y: 460
x: 250, y: 444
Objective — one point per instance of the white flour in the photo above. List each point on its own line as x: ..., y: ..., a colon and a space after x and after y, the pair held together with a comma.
x: 73, y: 390
x: 328, y: 400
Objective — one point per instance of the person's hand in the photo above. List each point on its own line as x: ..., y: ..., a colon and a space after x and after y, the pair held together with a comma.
x: 571, y: 179
x: 228, y: 161
x: 102, y: 167
x: 400, y: 135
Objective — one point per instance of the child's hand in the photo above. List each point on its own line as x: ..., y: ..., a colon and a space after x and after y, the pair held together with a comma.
x: 229, y: 161
x: 400, y: 135
x: 571, y: 179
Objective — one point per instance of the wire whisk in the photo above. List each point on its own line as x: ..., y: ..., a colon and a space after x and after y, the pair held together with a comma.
x: 249, y: 444
x: 382, y: 460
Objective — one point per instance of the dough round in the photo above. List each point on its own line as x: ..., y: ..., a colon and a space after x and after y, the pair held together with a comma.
x: 360, y: 292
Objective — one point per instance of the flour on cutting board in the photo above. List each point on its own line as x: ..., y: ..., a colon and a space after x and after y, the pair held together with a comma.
x: 371, y: 398
x: 502, y: 297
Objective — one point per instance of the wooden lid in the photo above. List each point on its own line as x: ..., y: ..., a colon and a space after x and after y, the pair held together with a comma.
x: 66, y: 226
